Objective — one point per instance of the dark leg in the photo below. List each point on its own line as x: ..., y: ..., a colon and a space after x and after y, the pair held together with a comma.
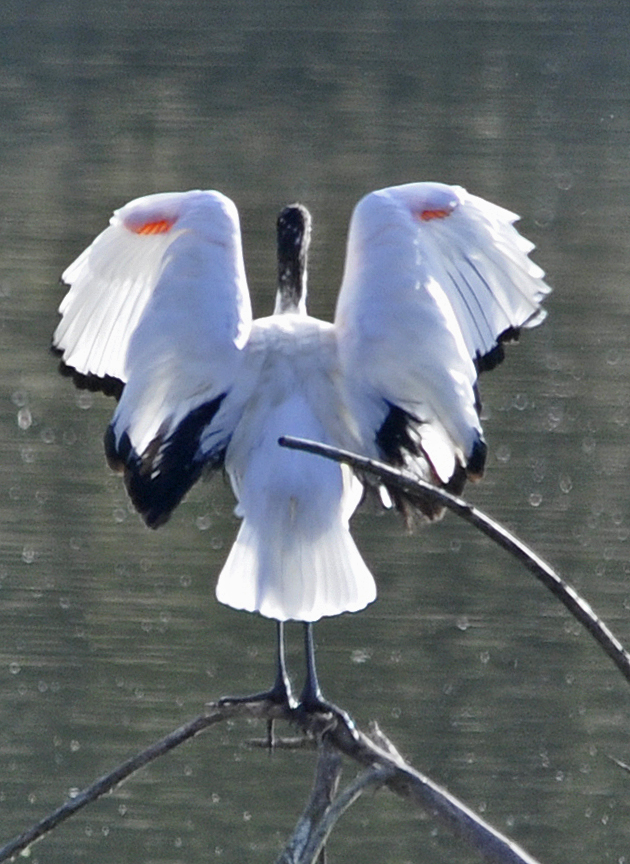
x: 280, y: 692
x: 311, y: 697
x: 312, y: 700
x: 282, y: 685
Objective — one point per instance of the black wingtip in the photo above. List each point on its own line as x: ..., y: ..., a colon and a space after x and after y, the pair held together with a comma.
x: 476, y: 463
x: 158, y: 479
x: 487, y: 362
x: 108, y: 385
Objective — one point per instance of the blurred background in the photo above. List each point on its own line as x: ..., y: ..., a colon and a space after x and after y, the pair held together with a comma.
x: 110, y: 633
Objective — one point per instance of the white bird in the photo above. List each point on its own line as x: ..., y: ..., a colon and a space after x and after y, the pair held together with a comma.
x: 158, y: 313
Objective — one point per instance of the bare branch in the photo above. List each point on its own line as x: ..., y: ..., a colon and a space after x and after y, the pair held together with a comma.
x: 301, y: 849
x: 107, y: 782
x: 436, y: 801
x: 318, y: 830
x: 383, y: 763
x: 419, y: 490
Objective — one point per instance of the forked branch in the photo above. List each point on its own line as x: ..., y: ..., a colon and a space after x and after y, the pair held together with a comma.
x: 383, y: 767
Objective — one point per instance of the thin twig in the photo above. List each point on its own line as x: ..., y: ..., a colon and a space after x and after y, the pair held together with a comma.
x: 422, y: 491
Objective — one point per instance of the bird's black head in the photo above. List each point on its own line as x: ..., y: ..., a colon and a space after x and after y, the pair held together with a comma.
x: 294, y: 237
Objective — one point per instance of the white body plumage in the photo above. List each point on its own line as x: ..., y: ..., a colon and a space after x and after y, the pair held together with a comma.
x: 435, y: 280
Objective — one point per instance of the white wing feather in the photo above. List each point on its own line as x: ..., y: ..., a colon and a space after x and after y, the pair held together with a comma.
x: 434, y: 278
x: 112, y: 281
x: 160, y: 301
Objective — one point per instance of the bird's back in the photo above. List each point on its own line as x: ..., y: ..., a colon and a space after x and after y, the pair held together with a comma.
x: 294, y: 557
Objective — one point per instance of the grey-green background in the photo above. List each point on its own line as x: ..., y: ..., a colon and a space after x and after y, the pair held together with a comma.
x: 109, y: 634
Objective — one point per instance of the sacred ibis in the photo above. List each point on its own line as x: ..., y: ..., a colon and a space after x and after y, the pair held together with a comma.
x: 158, y: 313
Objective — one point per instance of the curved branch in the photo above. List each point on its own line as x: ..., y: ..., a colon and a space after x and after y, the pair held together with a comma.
x: 419, y: 490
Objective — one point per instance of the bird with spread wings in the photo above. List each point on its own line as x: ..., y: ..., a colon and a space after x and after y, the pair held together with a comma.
x: 158, y: 313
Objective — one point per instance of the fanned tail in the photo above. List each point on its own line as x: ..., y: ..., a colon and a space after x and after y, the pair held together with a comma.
x: 275, y: 570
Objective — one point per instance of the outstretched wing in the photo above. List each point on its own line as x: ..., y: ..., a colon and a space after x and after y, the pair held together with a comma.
x: 159, y: 303
x: 435, y: 281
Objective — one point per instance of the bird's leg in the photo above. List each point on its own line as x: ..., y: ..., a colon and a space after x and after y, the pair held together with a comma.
x: 311, y: 699
x: 280, y: 693
x: 281, y: 689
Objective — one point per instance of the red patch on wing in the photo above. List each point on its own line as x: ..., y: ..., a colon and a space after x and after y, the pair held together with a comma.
x: 428, y: 215
x: 159, y: 226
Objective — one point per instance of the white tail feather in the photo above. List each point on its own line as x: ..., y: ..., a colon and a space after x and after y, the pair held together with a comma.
x: 284, y: 575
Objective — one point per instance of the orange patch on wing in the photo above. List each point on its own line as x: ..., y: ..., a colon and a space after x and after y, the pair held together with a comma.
x: 428, y: 215
x: 159, y: 226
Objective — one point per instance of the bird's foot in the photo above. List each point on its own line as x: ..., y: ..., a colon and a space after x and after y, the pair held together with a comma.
x: 313, y: 702
x: 279, y: 694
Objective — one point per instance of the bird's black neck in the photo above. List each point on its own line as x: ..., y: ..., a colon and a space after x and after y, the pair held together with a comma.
x: 294, y: 237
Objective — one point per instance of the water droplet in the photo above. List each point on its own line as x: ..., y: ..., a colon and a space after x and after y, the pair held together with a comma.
x: 503, y: 453
x: 544, y: 217
x: 84, y: 400
x: 28, y: 555
x: 28, y: 455
x: 361, y: 655
x: 535, y: 499
x: 24, y: 418
x: 520, y: 401
x: 565, y: 483
x: 564, y: 181
x: 15, y: 668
